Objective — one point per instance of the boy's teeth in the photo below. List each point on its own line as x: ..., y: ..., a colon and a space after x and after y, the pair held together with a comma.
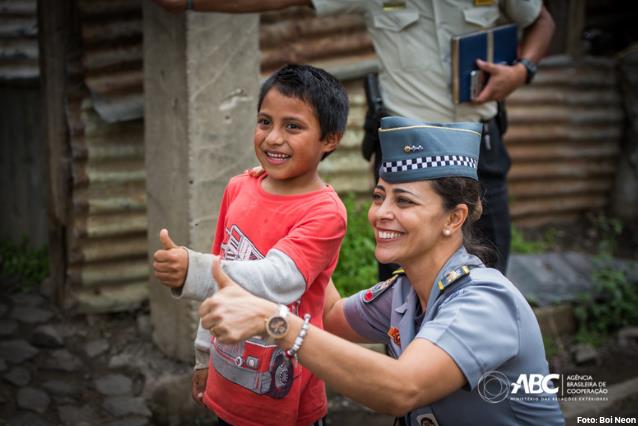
x: 277, y: 155
x: 385, y: 235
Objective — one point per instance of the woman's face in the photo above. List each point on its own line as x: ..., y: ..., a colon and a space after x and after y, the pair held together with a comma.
x: 408, y: 220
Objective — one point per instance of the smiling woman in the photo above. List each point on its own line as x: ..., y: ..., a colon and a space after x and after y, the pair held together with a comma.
x: 450, y: 324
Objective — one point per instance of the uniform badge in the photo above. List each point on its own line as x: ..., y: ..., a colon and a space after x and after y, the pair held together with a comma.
x: 378, y: 289
x: 453, y: 276
x: 395, y: 335
x: 484, y: 2
x: 392, y: 5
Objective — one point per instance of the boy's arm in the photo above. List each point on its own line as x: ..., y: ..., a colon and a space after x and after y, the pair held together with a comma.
x: 237, y: 6
x: 274, y: 277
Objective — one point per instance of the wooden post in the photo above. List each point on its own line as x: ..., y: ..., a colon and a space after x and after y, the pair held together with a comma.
x: 55, y: 24
x: 575, y: 26
x: 201, y: 83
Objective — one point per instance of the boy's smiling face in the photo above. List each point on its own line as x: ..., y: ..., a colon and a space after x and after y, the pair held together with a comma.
x: 288, y: 145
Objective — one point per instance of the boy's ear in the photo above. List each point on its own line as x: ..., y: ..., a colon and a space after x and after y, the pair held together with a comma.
x: 331, y: 142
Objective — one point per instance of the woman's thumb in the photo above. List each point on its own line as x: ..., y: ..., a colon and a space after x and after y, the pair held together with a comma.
x: 222, y: 279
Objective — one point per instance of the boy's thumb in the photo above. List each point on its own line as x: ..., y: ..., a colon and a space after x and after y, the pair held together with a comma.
x: 166, y: 241
x: 219, y: 275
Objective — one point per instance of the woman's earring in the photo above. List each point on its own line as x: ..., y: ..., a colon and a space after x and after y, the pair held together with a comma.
x: 447, y: 232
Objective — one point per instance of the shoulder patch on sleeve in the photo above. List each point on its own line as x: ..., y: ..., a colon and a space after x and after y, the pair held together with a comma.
x: 453, y: 276
x: 374, y: 292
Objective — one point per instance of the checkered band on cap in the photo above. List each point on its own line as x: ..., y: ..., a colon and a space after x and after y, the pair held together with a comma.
x: 427, y: 162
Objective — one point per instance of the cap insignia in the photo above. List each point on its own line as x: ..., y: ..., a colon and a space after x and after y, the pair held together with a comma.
x: 412, y: 148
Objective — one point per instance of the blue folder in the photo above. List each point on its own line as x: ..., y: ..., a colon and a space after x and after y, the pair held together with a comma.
x: 497, y: 45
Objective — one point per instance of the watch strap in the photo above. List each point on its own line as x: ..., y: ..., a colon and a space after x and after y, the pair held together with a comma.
x: 530, y: 67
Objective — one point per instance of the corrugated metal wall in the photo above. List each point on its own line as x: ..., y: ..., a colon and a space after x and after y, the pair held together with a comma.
x: 564, y: 140
x: 108, y: 266
x: 18, y: 40
x: 563, y: 137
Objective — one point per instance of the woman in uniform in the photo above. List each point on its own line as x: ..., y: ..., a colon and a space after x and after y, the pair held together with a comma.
x: 463, y: 340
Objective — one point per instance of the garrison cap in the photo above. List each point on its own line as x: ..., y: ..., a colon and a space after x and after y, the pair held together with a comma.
x: 412, y: 150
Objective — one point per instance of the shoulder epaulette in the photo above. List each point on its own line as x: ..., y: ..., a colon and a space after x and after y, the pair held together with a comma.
x: 453, y: 276
x: 374, y: 292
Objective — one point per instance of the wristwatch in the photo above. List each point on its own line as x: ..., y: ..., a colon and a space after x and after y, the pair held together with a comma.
x: 530, y: 67
x: 277, y: 325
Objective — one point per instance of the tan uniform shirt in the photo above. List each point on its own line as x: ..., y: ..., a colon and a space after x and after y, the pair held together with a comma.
x: 413, y: 43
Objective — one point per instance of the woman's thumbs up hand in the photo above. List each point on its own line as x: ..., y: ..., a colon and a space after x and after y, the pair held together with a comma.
x: 232, y: 314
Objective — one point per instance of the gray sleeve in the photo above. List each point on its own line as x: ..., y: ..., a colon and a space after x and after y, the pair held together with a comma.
x: 275, y: 277
x: 478, y: 327
x: 523, y: 13
x: 202, y: 347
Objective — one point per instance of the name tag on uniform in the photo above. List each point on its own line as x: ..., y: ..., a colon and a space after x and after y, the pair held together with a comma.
x: 427, y: 420
x: 389, y: 6
x: 484, y: 2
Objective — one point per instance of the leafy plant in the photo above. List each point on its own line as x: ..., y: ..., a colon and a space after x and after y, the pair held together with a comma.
x: 551, y: 347
x: 23, y: 262
x: 357, y: 268
x: 613, y: 302
x: 522, y: 245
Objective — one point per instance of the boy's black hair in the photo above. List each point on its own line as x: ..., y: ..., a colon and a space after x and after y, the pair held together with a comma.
x: 316, y: 87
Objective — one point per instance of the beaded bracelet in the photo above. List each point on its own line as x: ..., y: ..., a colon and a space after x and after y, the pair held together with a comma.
x: 292, y: 352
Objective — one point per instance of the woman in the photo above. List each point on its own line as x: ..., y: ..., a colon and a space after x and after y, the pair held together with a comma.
x: 460, y: 334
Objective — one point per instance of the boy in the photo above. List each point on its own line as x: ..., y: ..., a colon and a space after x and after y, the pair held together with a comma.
x: 286, y: 227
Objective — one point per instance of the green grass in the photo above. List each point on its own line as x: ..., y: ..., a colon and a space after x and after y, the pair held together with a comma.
x: 357, y: 268
x: 520, y: 244
x: 613, y: 302
x: 30, y: 266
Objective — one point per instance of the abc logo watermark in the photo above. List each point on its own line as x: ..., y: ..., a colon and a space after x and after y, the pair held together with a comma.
x: 495, y: 386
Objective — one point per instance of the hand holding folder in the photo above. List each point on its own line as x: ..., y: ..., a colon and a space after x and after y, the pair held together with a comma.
x: 496, y: 45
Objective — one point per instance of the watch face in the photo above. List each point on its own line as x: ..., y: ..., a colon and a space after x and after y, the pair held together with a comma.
x: 277, y: 326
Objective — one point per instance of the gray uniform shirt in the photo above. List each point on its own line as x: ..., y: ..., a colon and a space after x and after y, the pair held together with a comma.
x: 413, y: 44
x: 485, y: 326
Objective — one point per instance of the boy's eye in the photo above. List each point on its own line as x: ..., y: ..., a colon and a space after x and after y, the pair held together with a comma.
x: 293, y: 126
x: 263, y: 121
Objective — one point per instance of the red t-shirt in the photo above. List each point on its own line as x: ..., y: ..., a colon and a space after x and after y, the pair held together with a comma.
x: 253, y: 383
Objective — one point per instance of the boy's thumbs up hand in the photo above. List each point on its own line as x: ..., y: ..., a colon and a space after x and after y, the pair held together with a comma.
x: 166, y: 241
x: 170, y: 264
x: 233, y: 314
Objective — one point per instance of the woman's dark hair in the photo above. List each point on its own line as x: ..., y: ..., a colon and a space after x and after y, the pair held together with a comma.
x: 460, y: 190
x: 316, y: 87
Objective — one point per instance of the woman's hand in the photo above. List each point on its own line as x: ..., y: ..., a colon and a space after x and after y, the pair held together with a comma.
x: 233, y: 314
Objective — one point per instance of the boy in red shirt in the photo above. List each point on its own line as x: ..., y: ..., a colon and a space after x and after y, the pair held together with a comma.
x: 279, y: 237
